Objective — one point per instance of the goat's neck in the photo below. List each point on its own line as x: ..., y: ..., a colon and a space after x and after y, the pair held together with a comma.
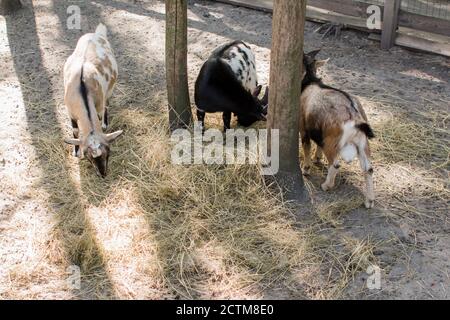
x: 310, y: 80
x: 86, y: 126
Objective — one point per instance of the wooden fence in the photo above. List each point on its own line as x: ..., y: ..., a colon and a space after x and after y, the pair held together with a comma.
x: 423, y: 24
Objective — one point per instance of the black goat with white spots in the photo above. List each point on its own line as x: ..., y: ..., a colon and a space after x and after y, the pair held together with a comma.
x: 228, y: 83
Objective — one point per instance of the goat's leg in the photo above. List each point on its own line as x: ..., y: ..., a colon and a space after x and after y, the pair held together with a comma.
x: 102, y: 113
x: 201, y: 119
x: 366, y: 167
x: 105, y: 120
x: 76, y: 134
x: 318, y: 155
x: 306, y: 145
x: 370, y: 195
x: 226, y: 116
x: 333, y: 169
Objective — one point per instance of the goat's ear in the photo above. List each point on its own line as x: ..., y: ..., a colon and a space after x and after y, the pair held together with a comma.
x: 313, y: 54
x: 321, y: 63
x: 74, y: 142
x: 111, y: 137
x: 257, y: 91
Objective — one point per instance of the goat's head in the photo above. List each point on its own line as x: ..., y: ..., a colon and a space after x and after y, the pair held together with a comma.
x: 262, y: 104
x: 311, y: 65
x: 96, y: 148
x: 260, y: 113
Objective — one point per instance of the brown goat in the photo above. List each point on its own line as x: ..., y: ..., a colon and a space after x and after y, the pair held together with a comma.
x: 90, y: 74
x: 338, y: 125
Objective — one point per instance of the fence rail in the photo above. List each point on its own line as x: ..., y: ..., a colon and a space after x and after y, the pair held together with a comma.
x: 431, y: 8
x: 410, y: 14
x: 432, y: 16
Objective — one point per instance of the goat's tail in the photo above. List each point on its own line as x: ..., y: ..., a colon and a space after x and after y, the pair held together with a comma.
x: 366, y: 129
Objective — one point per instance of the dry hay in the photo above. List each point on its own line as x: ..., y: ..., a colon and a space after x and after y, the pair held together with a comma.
x: 412, y: 163
x: 211, y: 231
x: 218, y: 231
x: 152, y: 229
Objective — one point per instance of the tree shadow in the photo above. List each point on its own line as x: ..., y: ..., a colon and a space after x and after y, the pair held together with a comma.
x: 174, y: 227
x: 164, y: 216
x: 180, y: 269
x: 219, y: 27
x: 73, y: 227
x: 398, y: 76
x: 202, y: 246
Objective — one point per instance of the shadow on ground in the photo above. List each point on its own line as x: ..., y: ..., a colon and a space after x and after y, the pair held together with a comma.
x: 74, y: 230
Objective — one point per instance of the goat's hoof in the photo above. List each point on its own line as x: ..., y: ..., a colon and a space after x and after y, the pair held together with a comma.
x: 326, y: 187
x: 104, y: 126
x: 76, y: 154
x: 369, y: 203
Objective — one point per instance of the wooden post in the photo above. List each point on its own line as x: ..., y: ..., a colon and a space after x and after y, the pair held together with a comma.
x: 285, y: 88
x: 180, y: 115
x: 390, y: 23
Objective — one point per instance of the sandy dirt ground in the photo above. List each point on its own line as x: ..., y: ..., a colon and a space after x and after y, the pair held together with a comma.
x: 406, y: 95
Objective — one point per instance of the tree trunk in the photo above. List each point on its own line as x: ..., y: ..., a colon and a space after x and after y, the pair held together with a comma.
x: 285, y: 88
x: 180, y: 115
x: 9, y: 6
